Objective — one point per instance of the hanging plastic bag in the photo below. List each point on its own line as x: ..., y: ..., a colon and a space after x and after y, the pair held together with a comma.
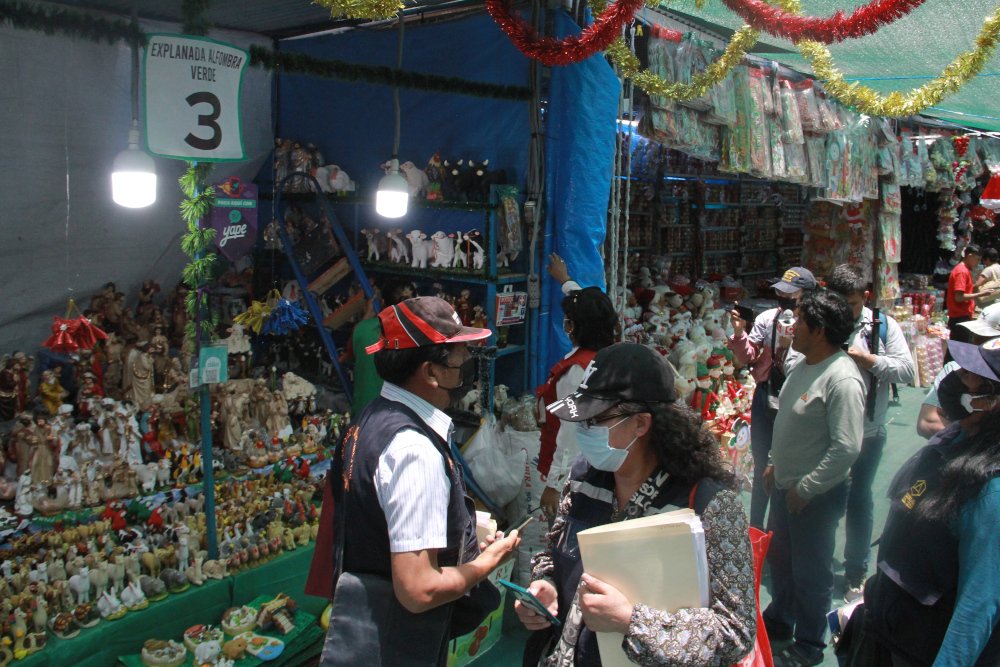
x: 499, y: 476
x: 805, y: 95
x: 791, y: 122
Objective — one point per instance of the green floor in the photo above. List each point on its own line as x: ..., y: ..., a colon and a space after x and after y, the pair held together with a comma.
x: 902, y: 442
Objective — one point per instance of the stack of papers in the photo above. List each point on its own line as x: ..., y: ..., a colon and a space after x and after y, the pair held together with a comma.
x: 657, y: 560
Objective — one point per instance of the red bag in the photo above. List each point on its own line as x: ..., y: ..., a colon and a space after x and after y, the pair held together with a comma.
x: 760, y: 656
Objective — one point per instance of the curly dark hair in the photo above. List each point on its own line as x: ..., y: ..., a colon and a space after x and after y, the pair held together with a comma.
x: 683, y: 447
x: 846, y: 280
x: 827, y: 310
x: 595, y: 322
x: 965, y: 475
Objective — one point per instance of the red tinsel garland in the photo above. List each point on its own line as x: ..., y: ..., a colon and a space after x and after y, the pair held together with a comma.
x: 551, y: 51
x: 863, y: 21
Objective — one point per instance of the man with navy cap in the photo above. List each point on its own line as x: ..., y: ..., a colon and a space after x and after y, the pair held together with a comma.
x: 766, y: 353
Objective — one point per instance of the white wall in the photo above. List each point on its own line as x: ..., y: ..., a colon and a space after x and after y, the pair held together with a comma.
x: 64, y: 115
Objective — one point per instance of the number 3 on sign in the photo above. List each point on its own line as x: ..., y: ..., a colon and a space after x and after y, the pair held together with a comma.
x: 192, y: 98
x: 206, y: 120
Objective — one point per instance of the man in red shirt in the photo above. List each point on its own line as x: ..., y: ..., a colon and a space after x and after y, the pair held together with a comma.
x: 961, y: 294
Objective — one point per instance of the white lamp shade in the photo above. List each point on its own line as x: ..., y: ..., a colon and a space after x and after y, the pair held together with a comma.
x: 133, y: 178
x: 393, y: 196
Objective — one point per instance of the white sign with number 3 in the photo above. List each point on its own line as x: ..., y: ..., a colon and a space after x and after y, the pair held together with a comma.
x: 192, y: 89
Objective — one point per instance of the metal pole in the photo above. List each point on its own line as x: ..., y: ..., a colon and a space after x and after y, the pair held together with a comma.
x: 208, y: 474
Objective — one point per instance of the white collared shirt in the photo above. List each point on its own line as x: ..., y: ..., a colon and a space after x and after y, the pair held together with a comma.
x: 411, y: 483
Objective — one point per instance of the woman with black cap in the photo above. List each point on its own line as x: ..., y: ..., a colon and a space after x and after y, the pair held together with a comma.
x: 642, y: 453
x: 935, y: 597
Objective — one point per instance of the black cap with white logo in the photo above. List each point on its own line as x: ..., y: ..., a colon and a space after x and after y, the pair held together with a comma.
x: 620, y: 373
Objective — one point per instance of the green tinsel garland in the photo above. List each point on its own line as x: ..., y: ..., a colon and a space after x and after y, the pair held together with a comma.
x: 193, y: 12
x: 52, y: 20
x: 195, y: 244
x: 296, y: 63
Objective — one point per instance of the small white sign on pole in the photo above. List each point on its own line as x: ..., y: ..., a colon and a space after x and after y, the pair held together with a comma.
x: 192, y: 87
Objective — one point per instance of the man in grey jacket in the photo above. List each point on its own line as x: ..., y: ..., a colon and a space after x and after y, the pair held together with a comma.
x: 817, y: 437
x: 883, y: 357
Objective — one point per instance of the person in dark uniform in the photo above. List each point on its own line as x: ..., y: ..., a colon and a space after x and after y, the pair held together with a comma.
x: 935, y: 597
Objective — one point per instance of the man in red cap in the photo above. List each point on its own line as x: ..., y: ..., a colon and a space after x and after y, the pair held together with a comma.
x: 408, y: 573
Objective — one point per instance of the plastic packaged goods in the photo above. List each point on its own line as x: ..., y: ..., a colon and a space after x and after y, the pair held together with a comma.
x: 736, y: 139
x: 796, y: 165
x: 791, y: 121
x: 723, y: 96
x: 760, y: 142
x: 778, y: 166
x: 692, y: 59
x: 805, y: 95
x: 890, y: 231
x: 829, y: 114
x: 816, y: 159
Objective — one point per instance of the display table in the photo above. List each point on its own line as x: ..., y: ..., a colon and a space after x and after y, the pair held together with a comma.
x: 302, y: 643
x: 101, y: 645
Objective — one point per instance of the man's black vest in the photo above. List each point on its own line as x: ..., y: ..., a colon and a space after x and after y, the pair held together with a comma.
x: 366, y: 534
x: 911, y: 599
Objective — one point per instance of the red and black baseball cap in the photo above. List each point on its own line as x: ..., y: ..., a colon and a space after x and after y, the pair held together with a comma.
x: 422, y: 321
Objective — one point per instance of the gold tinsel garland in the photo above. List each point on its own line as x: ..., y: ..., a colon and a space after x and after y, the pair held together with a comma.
x: 361, y: 9
x: 897, y: 104
x: 653, y: 84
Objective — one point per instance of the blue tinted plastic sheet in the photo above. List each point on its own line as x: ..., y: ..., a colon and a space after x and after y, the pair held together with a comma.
x: 580, y: 154
x: 351, y: 122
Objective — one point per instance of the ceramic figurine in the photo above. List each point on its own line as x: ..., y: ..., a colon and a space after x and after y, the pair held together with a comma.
x: 163, y: 653
x: 443, y: 252
x: 399, y: 253
x: 422, y: 247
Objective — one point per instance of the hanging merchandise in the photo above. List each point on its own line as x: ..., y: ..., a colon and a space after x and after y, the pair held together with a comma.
x: 692, y: 61
x: 890, y: 230
x: 253, y: 318
x: 284, y: 317
x: 897, y: 104
x: 551, y: 51
x: 864, y: 20
x: 805, y: 97
x: 791, y: 121
x: 737, y: 139
x: 888, y: 282
x: 741, y: 41
x: 760, y: 135
x: 829, y: 114
x: 816, y: 158
x: 71, y: 334
x: 661, y: 55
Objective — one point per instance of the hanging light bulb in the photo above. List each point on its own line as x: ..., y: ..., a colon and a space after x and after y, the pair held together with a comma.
x: 393, y: 195
x: 991, y: 193
x: 133, y: 177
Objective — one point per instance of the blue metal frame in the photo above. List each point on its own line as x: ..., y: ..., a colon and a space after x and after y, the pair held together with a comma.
x: 352, y: 259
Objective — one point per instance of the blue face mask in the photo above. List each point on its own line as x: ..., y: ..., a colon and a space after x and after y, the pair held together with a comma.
x: 594, y: 446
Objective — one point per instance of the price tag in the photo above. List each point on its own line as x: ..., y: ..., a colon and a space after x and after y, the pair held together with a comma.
x: 192, y: 93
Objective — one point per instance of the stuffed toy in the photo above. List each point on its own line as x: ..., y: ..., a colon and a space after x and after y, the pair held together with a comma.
x: 378, y: 244
x: 421, y: 247
x: 400, y: 250
x: 443, y: 252
x: 489, y: 179
x: 450, y: 173
x: 416, y: 179
x: 332, y: 178
x: 468, y: 252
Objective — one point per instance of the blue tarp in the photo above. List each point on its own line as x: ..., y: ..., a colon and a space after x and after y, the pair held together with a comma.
x: 580, y: 153
x: 352, y: 122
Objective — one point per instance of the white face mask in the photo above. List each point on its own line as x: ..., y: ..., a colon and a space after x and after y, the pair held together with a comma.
x: 595, y: 446
x: 966, y: 400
